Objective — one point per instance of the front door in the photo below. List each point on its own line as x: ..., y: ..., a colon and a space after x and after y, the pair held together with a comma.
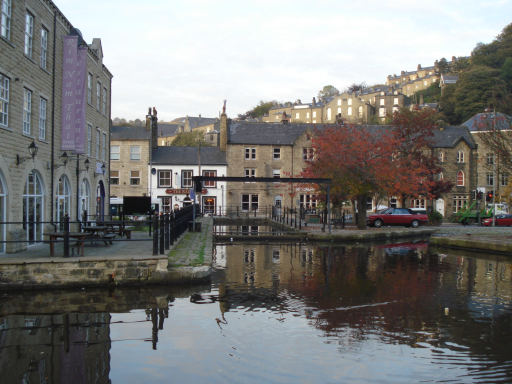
x: 209, y: 205
x: 440, y: 206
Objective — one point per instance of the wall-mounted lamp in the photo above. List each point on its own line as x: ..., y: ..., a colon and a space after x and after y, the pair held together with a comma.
x: 32, y: 150
x: 103, y: 168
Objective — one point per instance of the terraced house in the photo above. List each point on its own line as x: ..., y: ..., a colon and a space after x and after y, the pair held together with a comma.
x: 54, y: 125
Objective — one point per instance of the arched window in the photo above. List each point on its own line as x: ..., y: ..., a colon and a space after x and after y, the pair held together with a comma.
x: 460, y: 157
x: 441, y: 176
x: 3, y: 197
x: 85, y: 193
x: 33, y: 207
x: 63, y: 199
x: 460, y: 179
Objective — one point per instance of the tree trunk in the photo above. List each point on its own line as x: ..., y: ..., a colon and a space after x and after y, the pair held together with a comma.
x: 361, y: 211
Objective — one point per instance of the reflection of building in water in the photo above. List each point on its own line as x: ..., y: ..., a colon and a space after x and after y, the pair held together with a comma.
x: 70, y: 348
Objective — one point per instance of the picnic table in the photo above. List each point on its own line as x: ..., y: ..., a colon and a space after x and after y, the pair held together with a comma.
x: 78, y: 236
x: 100, y: 232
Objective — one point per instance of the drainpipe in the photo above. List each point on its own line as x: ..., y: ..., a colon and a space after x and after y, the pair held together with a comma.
x: 52, y: 157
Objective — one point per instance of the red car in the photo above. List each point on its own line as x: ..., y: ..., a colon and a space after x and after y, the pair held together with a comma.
x: 397, y: 216
x: 502, y: 220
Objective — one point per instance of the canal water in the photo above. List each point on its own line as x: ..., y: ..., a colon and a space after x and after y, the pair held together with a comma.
x: 290, y: 313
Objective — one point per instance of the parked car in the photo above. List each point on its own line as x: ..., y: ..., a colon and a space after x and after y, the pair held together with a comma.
x: 501, y: 220
x: 397, y: 216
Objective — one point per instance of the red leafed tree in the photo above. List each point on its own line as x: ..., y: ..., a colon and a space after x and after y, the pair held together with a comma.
x: 365, y: 160
x: 358, y: 162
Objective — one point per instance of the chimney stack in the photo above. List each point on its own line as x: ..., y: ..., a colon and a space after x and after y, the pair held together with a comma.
x: 154, y: 130
x: 223, y: 129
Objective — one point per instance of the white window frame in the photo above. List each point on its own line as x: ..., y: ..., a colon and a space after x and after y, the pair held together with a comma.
x: 210, y: 184
x: 29, y: 34
x: 460, y: 157
x: 134, y: 152
x: 104, y: 102
x: 276, y: 153
x: 115, y: 152
x: 5, y: 19
x: 27, y: 111
x: 44, y: 48
x: 187, y: 178
x: 276, y: 173
x: 490, y: 158
x: 489, y: 178
x: 98, y: 95
x: 4, y: 101
x: 98, y: 143
x: 463, y: 179
x: 504, y: 179
x: 164, y: 174
x: 89, y: 139
x: 43, y: 105
x: 250, y: 153
x: 249, y: 172
x: 89, y: 88
x: 349, y: 111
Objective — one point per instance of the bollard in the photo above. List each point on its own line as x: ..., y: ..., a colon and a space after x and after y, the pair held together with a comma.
x: 66, y: 236
x: 162, y: 234
x: 155, y: 234
x: 167, y: 232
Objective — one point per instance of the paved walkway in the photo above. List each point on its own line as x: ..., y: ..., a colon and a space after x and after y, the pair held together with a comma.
x: 194, y: 248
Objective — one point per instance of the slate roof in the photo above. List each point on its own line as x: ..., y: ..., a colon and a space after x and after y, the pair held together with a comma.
x: 448, y: 137
x: 188, y: 156
x: 486, y: 121
x: 201, y: 121
x: 129, y: 133
x: 242, y: 132
x: 168, y: 129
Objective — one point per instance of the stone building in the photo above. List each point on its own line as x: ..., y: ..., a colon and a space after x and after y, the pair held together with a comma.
x: 63, y: 123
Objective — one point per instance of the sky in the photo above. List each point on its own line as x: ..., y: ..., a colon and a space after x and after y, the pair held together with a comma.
x: 187, y: 57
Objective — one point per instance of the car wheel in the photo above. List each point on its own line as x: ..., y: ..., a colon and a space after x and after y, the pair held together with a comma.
x: 415, y: 223
x: 378, y: 223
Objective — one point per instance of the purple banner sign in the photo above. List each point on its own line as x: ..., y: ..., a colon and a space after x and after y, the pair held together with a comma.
x: 74, y: 71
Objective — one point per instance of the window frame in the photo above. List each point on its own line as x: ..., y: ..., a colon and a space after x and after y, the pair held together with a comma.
x: 276, y: 153
x: 27, y: 111
x: 114, y: 177
x: 5, y: 19
x: 249, y: 201
x: 460, y: 156
x: 4, y: 100
x: 210, y: 184
x: 308, y: 153
x: 250, y: 153
x: 461, y: 179
x: 115, y: 150
x: 135, y: 177
x: 98, y: 95
x: 98, y: 143
x: 489, y: 177
x: 89, y: 139
x: 43, y: 107
x: 135, y: 155
x: 28, y: 49
x: 89, y: 88
x: 43, y: 58
x: 104, y: 102
x: 160, y: 178
x: 185, y: 177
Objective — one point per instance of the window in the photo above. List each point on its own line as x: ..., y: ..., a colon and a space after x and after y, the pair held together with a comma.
x: 166, y: 204
x: 307, y: 153
x: 4, y: 100
x: 210, y: 183
x: 307, y: 115
x: 349, y: 111
x: 339, y: 101
x: 418, y: 203
x: 115, y: 152
x: 98, y: 95
x: 460, y: 156
x: 382, y: 102
x: 42, y: 118
x: 249, y: 202
x: 104, y: 102
x: 250, y: 172
x: 250, y: 153
x: 89, y: 88
x: 98, y: 143
x: 395, y: 101
x: 459, y: 202
x: 114, y: 177
x: 29, y: 34
x: 329, y: 114
x: 89, y: 139
x: 134, y: 177
x: 186, y: 178
x: 276, y: 173
x: 27, y: 110
x: 314, y: 113
x: 277, y: 154
x: 460, y: 179
x: 308, y: 202
x: 134, y: 152
x: 441, y: 157
x: 382, y: 112
x: 5, y: 29
x: 104, y: 147
x: 338, y: 110
x: 360, y: 111
x: 44, y: 47
x: 490, y: 158
x: 297, y: 115
x: 504, y: 179
x: 350, y: 101
x: 164, y: 178
x: 490, y: 178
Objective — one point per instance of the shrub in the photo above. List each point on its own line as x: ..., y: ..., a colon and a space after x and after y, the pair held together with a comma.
x: 435, y: 218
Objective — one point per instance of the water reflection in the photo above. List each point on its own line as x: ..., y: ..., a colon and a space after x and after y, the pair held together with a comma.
x: 277, y: 313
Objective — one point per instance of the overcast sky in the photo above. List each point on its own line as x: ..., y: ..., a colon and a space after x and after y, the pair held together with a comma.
x: 186, y: 57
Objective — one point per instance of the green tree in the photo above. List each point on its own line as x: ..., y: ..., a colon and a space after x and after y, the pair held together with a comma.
x: 261, y: 109
x: 443, y: 66
x: 328, y: 91
x: 189, y: 139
